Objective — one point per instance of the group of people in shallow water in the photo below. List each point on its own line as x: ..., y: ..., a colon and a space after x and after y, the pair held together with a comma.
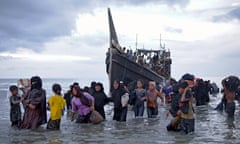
x: 83, y: 102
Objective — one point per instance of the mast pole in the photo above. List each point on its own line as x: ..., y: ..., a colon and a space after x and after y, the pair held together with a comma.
x: 160, y: 41
x: 136, y: 41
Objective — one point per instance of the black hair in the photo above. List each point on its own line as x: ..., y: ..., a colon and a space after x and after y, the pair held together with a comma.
x: 118, y: 82
x: 57, y: 89
x: 75, y: 84
x: 12, y: 88
x: 101, y: 86
x: 188, y: 76
x: 183, y: 85
x: 231, y: 83
x: 71, y: 87
x: 84, y: 100
x: 175, y: 88
x: 93, y: 83
x: 141, y: 81
x: 86, y: 89
x: 36, y: 82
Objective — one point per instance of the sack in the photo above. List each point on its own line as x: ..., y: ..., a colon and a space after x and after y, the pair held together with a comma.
x: 95, y: 117
x: 124, y: 99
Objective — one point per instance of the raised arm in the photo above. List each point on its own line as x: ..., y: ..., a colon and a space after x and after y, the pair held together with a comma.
x: 160, y: 96
x: 183, y: 98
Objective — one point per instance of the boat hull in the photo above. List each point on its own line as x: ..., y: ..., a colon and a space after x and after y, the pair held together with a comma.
x: 129, y: 71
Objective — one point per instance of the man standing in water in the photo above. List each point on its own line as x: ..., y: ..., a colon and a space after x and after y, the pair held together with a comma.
x: 230, y: 85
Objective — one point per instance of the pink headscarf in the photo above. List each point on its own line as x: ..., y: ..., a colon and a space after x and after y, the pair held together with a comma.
x: 152, y: 94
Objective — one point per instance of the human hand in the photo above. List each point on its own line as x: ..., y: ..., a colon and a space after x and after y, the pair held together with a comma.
x: 167, y: 114
x: 162, y: 103
x: 143, y: 99
x: 179, y: 113
x: 27, y: 101
x: 92, y: 108
x: 22, y: 99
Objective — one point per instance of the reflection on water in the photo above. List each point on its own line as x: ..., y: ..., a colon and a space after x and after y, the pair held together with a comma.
x: 211, y: 127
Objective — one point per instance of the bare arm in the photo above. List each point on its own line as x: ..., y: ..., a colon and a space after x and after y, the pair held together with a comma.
x: 31, y: 106
x: 160, y: 96
x: 92, y: 106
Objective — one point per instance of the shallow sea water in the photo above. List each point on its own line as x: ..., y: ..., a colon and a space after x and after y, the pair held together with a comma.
x: 210, y: 127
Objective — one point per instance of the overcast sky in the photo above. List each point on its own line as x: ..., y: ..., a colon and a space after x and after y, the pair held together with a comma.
x: 69, y: 38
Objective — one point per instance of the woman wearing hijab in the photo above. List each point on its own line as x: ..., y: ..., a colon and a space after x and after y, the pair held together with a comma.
x: 152, y: 95
x: 35, y: 102
x: 101, y: 99
x: 120, y: 111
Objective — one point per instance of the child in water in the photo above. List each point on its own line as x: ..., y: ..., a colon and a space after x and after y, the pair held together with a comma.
x: 15, y: 110
x: 174, y: 109
x: 56, y: 104
x: 138, y: 103
x: 186, y: 108
x: 151, y: 97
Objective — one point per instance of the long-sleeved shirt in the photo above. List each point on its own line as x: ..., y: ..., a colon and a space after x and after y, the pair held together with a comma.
x: 78, y: 106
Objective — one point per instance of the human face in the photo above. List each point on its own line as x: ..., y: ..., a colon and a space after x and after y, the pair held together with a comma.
x: 151, y: 87
x: 181, y: 90
x: 15, y: 92
x: 97, y: 88
x: 74, y: 91
x: 115, y: 85
x: 139, y: 84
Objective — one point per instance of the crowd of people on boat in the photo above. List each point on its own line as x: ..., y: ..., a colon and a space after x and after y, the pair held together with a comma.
x: 87, y: 104
x: 159, y: 60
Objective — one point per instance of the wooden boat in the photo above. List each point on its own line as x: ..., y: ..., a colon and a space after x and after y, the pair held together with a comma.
x: 120, y: 67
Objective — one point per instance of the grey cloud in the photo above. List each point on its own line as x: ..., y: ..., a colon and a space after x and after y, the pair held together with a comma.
x: 182, y: 3
x: 232, y: 14
x: 173, y: 30
x: 30, y: 23
x: 27, y: 23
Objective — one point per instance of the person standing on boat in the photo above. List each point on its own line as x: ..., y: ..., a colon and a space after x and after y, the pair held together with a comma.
x: 107, y: 60
x: 35, y: 100
x: 120, y: 110
x: 151, y: 98
x: 101, y: 99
